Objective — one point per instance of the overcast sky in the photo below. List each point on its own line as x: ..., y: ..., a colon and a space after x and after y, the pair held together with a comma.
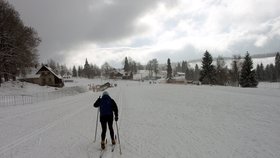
x: 109, y: 30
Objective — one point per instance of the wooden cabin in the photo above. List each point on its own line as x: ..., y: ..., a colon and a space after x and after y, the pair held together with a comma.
x: 48, y: 77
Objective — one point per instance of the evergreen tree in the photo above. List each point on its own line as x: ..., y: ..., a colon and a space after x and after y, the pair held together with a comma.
x: 277, y: 66
x: 87, y: 69
x: 134, y: 67
x: 258, y: 73
x: 126, y: 65
x: 178, y: 68
x: 150, y: 68
x: 273, y: 73
x: 184, y: 66
x: 248, y: 76
x: 196, y: 73
x: 96, y: 70
x: 208, y: 71
x: 270, y: 73
x: 262, y: 73
x: 169, y: 69
x: 80, y: 71
x: 74, y: 72
x: 155, y: 66
x: 235, y: 71
x: 221, y: 72
x: 189, y: 74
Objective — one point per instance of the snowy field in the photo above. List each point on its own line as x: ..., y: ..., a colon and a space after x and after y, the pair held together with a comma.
x: 156, y: 121
x: 18, y: 93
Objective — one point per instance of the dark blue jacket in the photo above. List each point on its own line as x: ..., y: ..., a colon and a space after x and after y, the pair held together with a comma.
x: 107, y: 106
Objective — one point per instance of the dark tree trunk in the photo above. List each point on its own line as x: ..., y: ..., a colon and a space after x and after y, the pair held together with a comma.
x: 6, y: 77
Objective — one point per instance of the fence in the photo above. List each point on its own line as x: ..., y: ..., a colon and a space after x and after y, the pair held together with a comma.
x: 15, y: 100
x: 7, y: 100
x: 270, y: 85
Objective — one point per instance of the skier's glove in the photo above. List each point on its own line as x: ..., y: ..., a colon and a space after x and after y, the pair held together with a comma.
x: 116, y: 118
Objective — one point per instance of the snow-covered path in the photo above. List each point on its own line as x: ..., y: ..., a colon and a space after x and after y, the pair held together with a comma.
x: 156, y: 120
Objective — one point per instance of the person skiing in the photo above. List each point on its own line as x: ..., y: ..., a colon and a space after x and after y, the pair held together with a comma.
x: 107, y: 107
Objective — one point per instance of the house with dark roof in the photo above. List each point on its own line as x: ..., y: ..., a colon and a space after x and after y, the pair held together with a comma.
x: 48, y: 77
x: 44, y: 77
x: 115, y: 75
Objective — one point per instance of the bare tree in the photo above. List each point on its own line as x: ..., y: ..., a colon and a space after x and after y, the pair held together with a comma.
x: 17, y: 43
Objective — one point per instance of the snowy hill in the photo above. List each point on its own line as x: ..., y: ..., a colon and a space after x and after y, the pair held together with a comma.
x: 156, y: 120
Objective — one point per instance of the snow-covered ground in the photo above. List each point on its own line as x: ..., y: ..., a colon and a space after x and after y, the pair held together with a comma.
x: 156, y: 120
x: 16, y: 93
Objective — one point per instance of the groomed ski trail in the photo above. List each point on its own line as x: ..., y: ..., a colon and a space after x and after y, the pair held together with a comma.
x: 155, y: 120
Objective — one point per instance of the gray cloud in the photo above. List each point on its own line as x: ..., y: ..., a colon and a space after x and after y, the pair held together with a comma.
x: 240, y: 47
x: 63, y: 24
x: 67, y: 25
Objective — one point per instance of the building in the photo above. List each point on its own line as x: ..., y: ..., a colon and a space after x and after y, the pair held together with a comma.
x: 116, y: 75
x: 48, y: 77
x: 44, y: 76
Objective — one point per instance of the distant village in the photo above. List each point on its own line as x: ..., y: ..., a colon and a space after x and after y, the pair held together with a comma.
x: 180, y: 73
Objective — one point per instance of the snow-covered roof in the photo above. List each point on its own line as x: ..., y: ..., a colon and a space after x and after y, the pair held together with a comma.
x: 32, y: 76
x: 49, y: 69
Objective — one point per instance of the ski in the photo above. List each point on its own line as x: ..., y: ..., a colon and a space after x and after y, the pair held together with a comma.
x: 113, y: 145
x: 103, y: 150
x: 113, y: 148
x: 102, y: 153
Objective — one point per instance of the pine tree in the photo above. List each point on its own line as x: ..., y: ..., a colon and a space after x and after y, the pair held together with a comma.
x: 169, y: 69
x: 258, y: 73
x: 208, y: 71
x: 184, y: 66
x: 150, y: 68
x: 262, y: 73
x: 155, y: 66
x: 234, y: 73
x: 80, y: 71
x: 196, y: 73
x: 277, y: 66
x: 87, y: 69
x: 221, y: 72
x: 187, y: 73
x: 74, y: 71
x: 126, y: 65
x: 248, y: 76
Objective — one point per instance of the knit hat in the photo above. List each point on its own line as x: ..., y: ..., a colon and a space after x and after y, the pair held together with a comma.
x: 105, y: 93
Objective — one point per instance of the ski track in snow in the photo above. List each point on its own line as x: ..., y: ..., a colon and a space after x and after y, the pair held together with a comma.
x: 155, y: 120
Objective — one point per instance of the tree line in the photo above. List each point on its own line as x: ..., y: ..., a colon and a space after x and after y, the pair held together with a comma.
x: 91, y: 70
x: 241, y: 71
x: 18, y: 43
x: 269, y: 73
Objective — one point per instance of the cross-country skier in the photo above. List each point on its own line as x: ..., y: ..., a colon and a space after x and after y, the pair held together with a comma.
x: 107, y: 107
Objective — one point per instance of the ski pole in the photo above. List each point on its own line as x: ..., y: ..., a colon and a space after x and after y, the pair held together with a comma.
x: 96, y: 126
x: 118, y: 137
